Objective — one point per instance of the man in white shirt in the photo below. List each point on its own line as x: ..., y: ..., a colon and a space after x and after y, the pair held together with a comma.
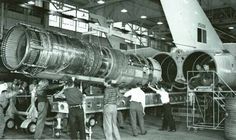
x: 168, y: 120
x: 137, y: 105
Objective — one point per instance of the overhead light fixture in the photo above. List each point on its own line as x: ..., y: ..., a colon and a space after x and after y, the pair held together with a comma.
x: 123, y: 11
x: 100, y: 1
x: 159, y: 23
x: 163, y: 38
x: 31, y: 2
x: 231, y: 27
x: 143, y: 17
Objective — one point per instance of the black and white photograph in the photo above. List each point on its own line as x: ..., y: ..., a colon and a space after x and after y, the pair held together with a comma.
x: 118, y: 69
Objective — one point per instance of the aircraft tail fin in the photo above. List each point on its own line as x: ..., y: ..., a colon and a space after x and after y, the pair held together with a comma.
x: 189, y: 25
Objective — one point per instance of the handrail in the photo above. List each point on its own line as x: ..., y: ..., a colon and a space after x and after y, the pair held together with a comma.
x: 213, y: 72
x: 225, y: 83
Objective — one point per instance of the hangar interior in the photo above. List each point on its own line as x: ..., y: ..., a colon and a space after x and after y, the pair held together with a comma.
x: 129, y: 42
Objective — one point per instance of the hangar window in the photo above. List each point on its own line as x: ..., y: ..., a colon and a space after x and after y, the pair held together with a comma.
x: 118, y: 25
x: 53, y: 19
x: 128, y: 27
x: 81, y: 26
x: 139, y: 33
x: 68, y: 23
x: 201, y: 35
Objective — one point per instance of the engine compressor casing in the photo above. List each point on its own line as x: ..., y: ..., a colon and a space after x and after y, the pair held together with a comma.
x: 44, y: 54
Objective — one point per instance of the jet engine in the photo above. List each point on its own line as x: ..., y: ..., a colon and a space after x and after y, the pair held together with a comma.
x: 44, y: 54
x: 176, y: 65
x: 168, y: 66
x: 222, y: 63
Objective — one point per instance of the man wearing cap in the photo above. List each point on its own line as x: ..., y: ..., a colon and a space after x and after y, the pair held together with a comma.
x: 74, y: 98
x: 5, y: 94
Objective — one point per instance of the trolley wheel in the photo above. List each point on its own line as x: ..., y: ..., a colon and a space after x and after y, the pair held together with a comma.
x: 31, y: 128
x: 57, y: 133
x: 10, y: 124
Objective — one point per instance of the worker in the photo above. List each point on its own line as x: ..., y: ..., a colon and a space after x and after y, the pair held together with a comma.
x: 120, y: 102
x: 40, y: 91
x: 168, y: 120
x: 110, y: 111
x: 74, y: 98
x: 5, y: 95
x: 209, y: 77
x: 33, y: 113
x: 206, y: 68
x: 195, y: 80
x: 33, y: 85
x: 137, y: 106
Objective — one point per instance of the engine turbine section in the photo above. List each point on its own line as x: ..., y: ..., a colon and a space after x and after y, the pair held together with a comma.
x: 223, y: 64
x: 168, y: 66
x: 44, y: 54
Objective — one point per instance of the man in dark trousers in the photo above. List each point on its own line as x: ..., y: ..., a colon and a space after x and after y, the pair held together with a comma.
x: 168, y: 120
x: 74, y: 98
x: 137, y: 106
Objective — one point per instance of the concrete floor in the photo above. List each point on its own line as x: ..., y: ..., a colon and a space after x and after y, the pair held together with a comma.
x: 152, y: 125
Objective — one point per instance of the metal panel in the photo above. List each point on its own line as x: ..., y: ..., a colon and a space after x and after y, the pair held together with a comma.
x: 95, y: 103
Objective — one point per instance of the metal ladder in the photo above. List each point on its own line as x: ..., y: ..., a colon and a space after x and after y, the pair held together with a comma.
x: 217, y: 96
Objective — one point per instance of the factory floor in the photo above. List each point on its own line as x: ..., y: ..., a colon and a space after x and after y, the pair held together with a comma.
x: 152, y: 125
